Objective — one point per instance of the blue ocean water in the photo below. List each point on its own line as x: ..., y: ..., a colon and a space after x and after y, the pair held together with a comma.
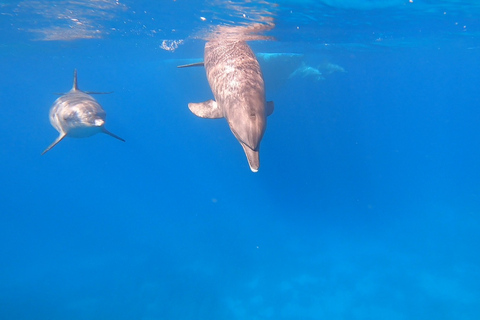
x: 366, y: 204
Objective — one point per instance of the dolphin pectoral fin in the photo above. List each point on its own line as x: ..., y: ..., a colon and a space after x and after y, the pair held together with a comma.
x: 208, y: 109
x: 269, y: 108
x: 60, y: 138
x: 112, y: 134
x: 253, y: 157
x: 197, y: 64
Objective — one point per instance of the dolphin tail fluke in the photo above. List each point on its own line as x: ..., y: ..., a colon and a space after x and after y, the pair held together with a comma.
x: 60, y: 138
x: 197, y: 64
x: 96, y: 92
x: 208, y: 109
x: 112, y: 134
x: 269, y: 106
x: 253, y: 157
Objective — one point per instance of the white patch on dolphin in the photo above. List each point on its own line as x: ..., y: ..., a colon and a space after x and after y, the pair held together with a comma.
x: 77, y: 114
x: 305, y: 71
x: 318, y: 73
x: 236, y: 80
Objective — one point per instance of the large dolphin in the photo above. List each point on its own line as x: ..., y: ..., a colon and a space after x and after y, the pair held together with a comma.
x: 77, y: 114
x: 236, y: 80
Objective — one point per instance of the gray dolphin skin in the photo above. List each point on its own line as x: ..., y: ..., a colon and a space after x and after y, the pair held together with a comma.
x: 77, y: 114
x: 236, y: 80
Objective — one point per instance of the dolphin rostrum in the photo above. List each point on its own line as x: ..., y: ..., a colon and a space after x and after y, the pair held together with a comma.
x: 236, y: 80
x: 77, y: 114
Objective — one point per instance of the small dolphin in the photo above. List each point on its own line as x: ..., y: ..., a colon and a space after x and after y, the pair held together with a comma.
x: 236, y: 80
x: 77, y: 114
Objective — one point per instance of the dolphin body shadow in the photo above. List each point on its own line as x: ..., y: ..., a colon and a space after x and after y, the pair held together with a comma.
x: 77, y: 114
x: 236, y: 81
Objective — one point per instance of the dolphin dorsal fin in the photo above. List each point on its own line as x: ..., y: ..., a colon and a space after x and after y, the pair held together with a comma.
x: 75, y: 86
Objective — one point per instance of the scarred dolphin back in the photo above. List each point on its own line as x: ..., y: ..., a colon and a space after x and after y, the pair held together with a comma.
x: 236, y: 80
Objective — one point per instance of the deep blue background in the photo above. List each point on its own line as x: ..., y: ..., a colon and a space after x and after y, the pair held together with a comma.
x: 366, y: 205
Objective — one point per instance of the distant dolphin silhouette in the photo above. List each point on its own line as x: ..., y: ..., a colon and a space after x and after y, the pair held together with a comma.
x: 77, y: 114
x: 236, y: 80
